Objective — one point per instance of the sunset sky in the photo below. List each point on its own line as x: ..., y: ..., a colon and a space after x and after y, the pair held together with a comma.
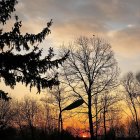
x: 117, y: 21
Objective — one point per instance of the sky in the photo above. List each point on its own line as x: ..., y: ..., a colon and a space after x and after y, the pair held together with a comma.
x: 117, y: 21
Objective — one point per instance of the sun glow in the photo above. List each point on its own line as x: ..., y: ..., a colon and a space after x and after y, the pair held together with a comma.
x: 84, y: 136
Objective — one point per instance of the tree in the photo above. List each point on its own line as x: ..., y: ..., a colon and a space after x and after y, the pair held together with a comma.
x: 26, y: 115
x: 34, y: 119
x: 49, y: 115
x: 91, y: 69
x: 7, y: 114
x: 4, y: 96
x: 29, y: 68
x: 59, y: 101
x: 60, y: 97
x: 110, y: 111
x: 132, y: 90
x: 19, y: 117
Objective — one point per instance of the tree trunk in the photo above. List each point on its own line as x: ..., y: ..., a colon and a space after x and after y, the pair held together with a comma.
x: 60, y: 122
x: 90, y: 118
x: 21, y: 131
x: 136, y: 120
x: 96, y: 127
x: 104, y: 119
x: 32, y: 131
x: 96, y: 110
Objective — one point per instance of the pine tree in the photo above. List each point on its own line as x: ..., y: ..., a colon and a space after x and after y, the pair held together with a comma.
x: 29, y: 68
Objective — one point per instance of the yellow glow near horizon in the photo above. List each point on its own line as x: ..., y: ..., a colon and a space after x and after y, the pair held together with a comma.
x: 84, y: 136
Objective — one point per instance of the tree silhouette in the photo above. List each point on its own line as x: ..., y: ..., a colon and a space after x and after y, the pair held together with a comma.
x: 29, y: 68
x: 131, y: 86
x: 4, y: 96
x: 90, y: 70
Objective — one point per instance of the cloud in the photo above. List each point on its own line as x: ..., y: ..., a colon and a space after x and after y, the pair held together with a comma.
x: 115, y: 20
x: 103, y: 10
x: 127, y: 40
x: 88, y: 14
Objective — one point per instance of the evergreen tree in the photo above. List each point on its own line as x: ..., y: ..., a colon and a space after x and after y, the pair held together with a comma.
x: 29, y: 68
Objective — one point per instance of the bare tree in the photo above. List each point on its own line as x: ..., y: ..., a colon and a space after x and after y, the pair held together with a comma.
x: 6, y: 114
x: 49, y: 114
x: 19, y: 117
x: 90, y: 70
x: 60, y: 99
x: 132, y: 90
x: 29, y: 109
x: 96, y: 108
x: 110, y: 112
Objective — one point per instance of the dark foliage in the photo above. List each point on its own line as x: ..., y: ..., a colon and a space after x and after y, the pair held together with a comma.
x: 4, y: 96
x: 15, y: 134
x: 6, y: 8
x: 8, y: 133
x: 74, y: 105
x: 29, y: 68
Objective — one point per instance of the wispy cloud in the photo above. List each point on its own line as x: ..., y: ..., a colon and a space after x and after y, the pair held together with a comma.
x: 118, y: 21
